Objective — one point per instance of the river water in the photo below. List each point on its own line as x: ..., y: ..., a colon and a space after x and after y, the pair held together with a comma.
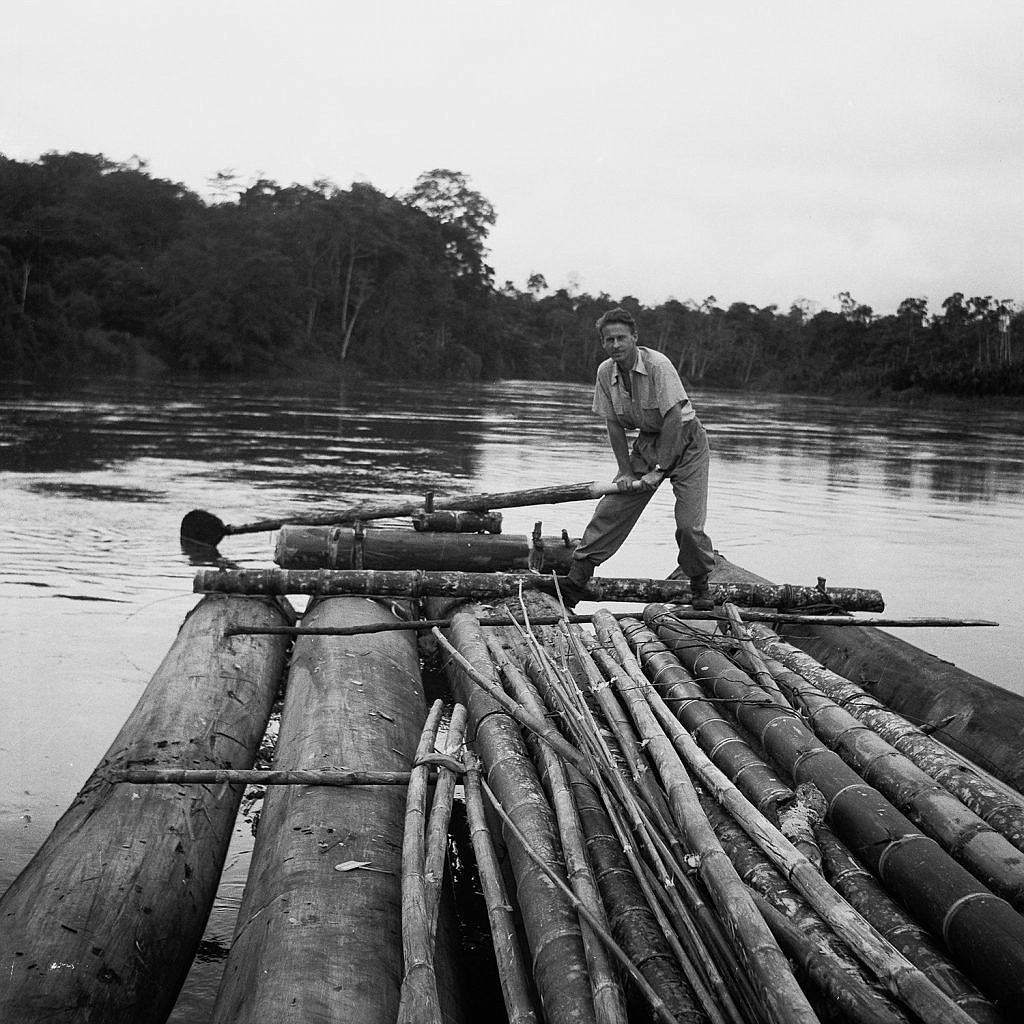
x: 925, y: 505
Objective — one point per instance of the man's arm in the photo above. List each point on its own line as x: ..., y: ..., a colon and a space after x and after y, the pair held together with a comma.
x: 620, y: 449
x: 670, y: 439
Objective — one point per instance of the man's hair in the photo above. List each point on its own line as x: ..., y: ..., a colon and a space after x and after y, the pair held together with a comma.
x: 618, y: 315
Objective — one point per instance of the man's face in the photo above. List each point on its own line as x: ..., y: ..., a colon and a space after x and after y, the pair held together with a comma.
x: 620, y: 343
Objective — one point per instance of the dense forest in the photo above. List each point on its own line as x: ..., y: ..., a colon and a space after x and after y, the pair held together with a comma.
x: 105, y: 268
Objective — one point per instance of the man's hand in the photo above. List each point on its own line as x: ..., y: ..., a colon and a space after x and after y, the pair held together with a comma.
x: 628, y: 481
x: 652, y: 479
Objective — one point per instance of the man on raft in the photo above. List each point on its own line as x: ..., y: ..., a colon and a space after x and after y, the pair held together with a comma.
x: 639, y: 389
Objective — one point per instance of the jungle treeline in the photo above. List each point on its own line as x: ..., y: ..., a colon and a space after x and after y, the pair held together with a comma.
x: 106, y: 268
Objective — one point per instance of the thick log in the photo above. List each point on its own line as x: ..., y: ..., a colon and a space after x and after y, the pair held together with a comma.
x: 983, y: 933
x: 341, y: 547
x: 419, y: 583
x: 319, y: 929
x: 103, y: 923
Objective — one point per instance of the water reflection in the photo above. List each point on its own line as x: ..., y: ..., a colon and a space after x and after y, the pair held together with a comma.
x: 96, y: 476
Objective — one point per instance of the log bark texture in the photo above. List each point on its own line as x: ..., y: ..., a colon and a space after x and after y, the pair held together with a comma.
x: 419, y: 583
x: 103, y: 923
x: 319, y: 930
x: 341, y: 547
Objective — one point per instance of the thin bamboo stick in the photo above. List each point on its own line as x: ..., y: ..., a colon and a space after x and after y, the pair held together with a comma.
x: 419, y: 1003
x: 512, y: 970
x: 681, y: 614
x: 751, y: 659
x: 436, y: 841
x: 262, y: 777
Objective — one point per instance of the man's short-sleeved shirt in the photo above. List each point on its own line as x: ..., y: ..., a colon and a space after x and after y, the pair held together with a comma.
x: 655, y: 387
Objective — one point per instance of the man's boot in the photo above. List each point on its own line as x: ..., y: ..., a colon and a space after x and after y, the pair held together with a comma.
x: 700, y: 594
x: 574, y: 586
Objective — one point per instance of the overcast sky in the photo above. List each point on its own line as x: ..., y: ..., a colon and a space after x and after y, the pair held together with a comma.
x: 757, y: 151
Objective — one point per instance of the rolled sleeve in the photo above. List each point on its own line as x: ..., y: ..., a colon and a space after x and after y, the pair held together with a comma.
x: 667, y: 387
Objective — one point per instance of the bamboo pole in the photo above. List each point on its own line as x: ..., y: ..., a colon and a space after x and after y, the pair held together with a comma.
x: 664, y: 881
x: 984, y: 933
x: 653, y: 1000
x: 512, y: 971
x: 889, y: 967
x: 682, y: 614
x: 805, y: 937
x: 635, y: 917
x: 419, y: 1002
x: 552, y: 927
x: 421, y: 583
x: 715, y: 733
x: 862, y: 891
x: 986, y: 853
x: 823, y: 971
x: 436, y: 841
x: 609, y: 1004
x: 319, y: 927
x: 103, y: 922
x: 997, y: 804
x: 751, y: 659
x: 780, y: 995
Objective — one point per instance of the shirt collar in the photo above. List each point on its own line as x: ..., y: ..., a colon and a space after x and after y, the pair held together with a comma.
x: 638, y: 366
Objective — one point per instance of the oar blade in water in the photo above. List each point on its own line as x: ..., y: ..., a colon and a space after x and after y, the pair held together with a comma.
x: 202, y: 527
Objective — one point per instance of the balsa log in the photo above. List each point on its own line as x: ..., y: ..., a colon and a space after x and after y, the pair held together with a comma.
x: 341, y: 547
x: 319, y: 929
x: 103, y: 923
x: 479, y: 585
